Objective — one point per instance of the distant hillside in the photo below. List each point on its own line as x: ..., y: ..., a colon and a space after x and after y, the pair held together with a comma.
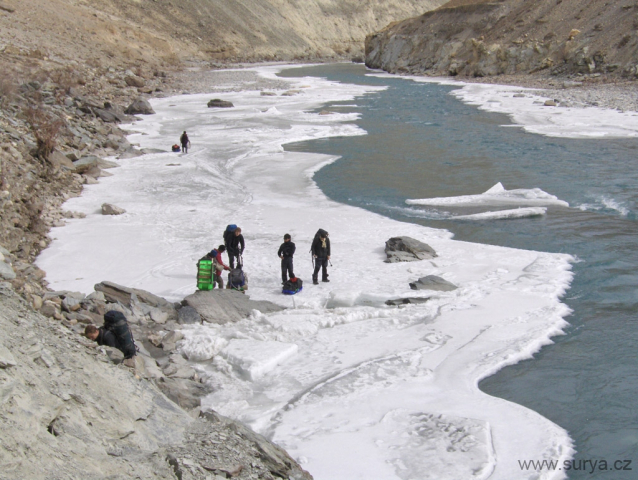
x: 491, y: 37
x: 171, y: 31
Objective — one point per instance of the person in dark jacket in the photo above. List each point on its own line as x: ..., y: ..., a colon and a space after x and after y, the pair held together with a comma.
x: 101, y: 336
x: 235, y: 248
x: 321, y: 254
x: 286, y: 251
x: 185, y: 142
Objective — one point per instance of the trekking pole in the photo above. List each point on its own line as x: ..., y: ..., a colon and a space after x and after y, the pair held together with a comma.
x: 330, y: 262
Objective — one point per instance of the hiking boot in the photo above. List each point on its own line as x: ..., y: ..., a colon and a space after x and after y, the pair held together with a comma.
x: 314, y: 281
x: 325, y: 279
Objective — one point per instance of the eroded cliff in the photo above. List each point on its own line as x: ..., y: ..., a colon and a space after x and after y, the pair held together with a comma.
x: 479, y: 38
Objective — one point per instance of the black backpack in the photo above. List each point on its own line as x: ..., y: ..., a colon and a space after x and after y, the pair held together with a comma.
x: 115, y: 322
x: 229, y: 233
x: 292, y: 286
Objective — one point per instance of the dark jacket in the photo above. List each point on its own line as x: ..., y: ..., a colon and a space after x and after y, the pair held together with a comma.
x: 287, y: 249
x: 318, y: 250
x: 184, y: 139
x: 235, y: 243
x: 106, y: 337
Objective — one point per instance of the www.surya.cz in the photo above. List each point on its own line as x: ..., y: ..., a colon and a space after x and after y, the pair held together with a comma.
x: 589, y: 466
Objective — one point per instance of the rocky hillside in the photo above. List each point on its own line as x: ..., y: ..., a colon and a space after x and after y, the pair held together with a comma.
x: 69, y: 410
x: 477, y: 38
x: 138, y: 32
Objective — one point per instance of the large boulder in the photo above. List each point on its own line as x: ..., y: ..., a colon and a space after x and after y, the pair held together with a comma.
x: 135, y: 81
x: 85, y: 164
x: 108, y: 209
x: 407, y: 249
x: 139, y: 107
x: 116, y: 293
x: 432, y: 282
x: 226, y: 306
x: 218, y: 103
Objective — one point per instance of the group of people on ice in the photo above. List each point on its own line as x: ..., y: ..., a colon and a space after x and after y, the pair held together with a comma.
x: 211, y: 265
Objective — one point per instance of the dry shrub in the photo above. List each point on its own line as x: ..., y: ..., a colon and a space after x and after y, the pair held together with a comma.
x: 65, y: 78
x: 45, y: 128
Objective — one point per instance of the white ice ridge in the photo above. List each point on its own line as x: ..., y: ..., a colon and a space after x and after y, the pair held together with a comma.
x: 529, y: 112
x: 495, y: 196
x: 505, y: 214
x: 351, y: 387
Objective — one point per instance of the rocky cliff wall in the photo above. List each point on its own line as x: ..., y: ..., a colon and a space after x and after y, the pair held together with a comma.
x: 478, y: 38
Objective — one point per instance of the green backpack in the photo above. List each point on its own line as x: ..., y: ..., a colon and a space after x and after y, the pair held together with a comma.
x: 205, y: 272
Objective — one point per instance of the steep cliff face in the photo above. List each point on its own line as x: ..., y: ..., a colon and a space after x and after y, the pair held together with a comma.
x: 491, y: 37
x: 170, y: 31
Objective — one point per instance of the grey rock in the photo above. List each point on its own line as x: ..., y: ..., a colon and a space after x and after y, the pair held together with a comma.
x: 117, y: 293
x: 268, y: 94
x: 218, y: 103
x: 432, y: 282
x: 58, y: 160
x: 6, y: 358
x: 224, y: 306
x: 110, y: 116
x: 184, y: 392
x: 188, y: 315
x: 550, y: 103
x: 6, y: 272
x: 406, y: 301
x: 108, y: 209
x: 519, y: 95
x: 139, y: 107
x: 158, y: 316
x: 105, y: 164
x: 85, y: 164
x: 134, y: 81
x: 407, y: 249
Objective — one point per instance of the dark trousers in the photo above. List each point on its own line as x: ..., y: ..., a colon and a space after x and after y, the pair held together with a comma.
x: 323, y: 264
x: 286, y: 268
x: 231, y: 259
x: 185, y: 148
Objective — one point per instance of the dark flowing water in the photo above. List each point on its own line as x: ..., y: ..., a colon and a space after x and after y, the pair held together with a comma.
x: 424, y: 143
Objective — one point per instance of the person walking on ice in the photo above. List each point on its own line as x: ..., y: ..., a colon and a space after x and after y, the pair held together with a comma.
x: 321, y: 254
x: 185, y: 142
x: 286, y: 251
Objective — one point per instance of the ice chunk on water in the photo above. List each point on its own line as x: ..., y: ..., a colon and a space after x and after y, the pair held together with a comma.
x: 497, y: 195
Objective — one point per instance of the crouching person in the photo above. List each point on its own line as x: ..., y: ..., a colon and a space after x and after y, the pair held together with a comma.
x: 115, y: 333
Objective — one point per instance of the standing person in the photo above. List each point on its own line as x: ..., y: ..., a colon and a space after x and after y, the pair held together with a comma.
x: 185, y: 142
x: 219, y: 266
x: 235, y: 246
x: 286, y: 251
x: 321, y: 253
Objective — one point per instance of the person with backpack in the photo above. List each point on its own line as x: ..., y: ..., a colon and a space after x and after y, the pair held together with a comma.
x: 185, y: 142
x: 219, y: 266
x: 234, y: 241
x: 286, y: 251
x: 321, y: 254
x: 115, y: 333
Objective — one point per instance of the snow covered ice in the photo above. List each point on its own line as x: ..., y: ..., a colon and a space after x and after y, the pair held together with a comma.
x: 352, y: 388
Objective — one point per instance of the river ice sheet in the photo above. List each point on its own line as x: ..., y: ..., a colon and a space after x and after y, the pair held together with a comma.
x: 352, y: 388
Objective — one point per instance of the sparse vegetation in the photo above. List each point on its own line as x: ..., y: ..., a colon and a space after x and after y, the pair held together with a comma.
x: 45, y: 128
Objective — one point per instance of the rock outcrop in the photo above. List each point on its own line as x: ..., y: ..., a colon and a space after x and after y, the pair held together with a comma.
x: 218, y: 103
x: 407, y: 249
x: 432, y: 282
x: 478, y: 38
x: 226, y: 306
